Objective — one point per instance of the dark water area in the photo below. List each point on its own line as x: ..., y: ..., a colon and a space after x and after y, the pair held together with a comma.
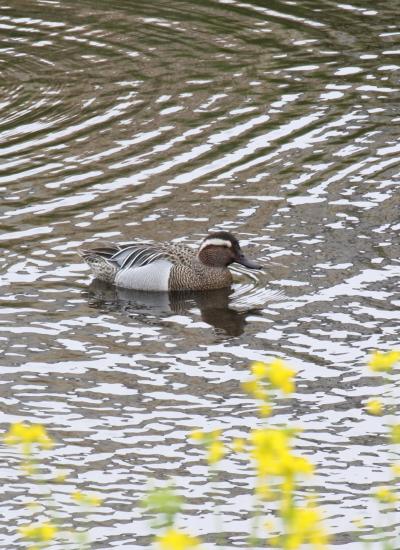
x: 278, y: 121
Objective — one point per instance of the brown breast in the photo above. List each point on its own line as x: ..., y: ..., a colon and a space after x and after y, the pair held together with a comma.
x: 198, y: 277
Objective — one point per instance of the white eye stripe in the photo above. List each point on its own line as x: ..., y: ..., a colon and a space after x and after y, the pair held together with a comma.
x: 215, y: 242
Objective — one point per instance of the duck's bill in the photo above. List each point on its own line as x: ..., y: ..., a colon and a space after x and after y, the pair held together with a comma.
x: 241, y: 259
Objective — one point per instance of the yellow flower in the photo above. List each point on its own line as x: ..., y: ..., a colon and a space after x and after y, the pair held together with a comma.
x: 259, y: 369
x: 395, y: 433
x: 216, y: 452
x: 33, y: 505
x: 263, y: 491
x: 238, y: 445
x: 385, y: 495
x: 277, y: 373
x: 305, y: 527
x: 27, y: 434
x: 61, y: 476
x: 374, y: 406
x: 272, y: 454
x: 215, y: 449
x: 197, y: 435
x: 43, y: 532
x: 250, y: 386
x: 275, y: 542
x: 265, y: 410
x: 380, y: 362
x: 396, y: 470
x: 86, y: 500
x: 28, y: 468
x: 297, y: 465
x: 177, y: 540
x: 255, y: 389
x: 280, y: 376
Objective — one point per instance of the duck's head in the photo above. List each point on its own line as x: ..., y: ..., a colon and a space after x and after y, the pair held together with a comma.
x: 221, y: 249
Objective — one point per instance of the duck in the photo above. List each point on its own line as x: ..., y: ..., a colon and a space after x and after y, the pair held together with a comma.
x: 168, y: 266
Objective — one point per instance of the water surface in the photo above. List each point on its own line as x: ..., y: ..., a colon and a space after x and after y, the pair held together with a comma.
x: 278, y: 121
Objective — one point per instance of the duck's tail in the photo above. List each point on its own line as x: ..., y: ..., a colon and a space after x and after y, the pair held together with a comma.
x: 99, y: 261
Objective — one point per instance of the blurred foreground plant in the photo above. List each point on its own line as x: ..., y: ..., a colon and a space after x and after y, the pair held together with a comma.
x: 278, y: 473
x: 47, y: 527
x: 386, y: 497
x: 279, y: 470
x: 165, y: 504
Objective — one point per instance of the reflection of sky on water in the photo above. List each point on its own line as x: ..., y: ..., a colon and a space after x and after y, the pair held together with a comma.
x: 280, y: 125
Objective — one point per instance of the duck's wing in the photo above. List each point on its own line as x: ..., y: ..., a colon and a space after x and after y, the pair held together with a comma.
x: 138, y: 255
x: 134, y: 255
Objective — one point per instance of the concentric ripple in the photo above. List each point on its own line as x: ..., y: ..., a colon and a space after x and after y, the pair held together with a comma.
x: 161, y: 121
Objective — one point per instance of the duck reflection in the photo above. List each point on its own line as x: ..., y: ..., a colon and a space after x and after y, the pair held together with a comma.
x: 214, y: 305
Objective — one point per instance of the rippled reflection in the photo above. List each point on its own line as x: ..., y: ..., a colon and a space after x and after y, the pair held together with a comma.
x: 160, y: 121
x: 214, y: 306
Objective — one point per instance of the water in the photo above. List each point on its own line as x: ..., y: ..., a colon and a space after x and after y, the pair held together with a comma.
x: 278, y: 121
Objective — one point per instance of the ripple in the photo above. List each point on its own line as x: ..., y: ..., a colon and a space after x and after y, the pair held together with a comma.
x: 161, y: 122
